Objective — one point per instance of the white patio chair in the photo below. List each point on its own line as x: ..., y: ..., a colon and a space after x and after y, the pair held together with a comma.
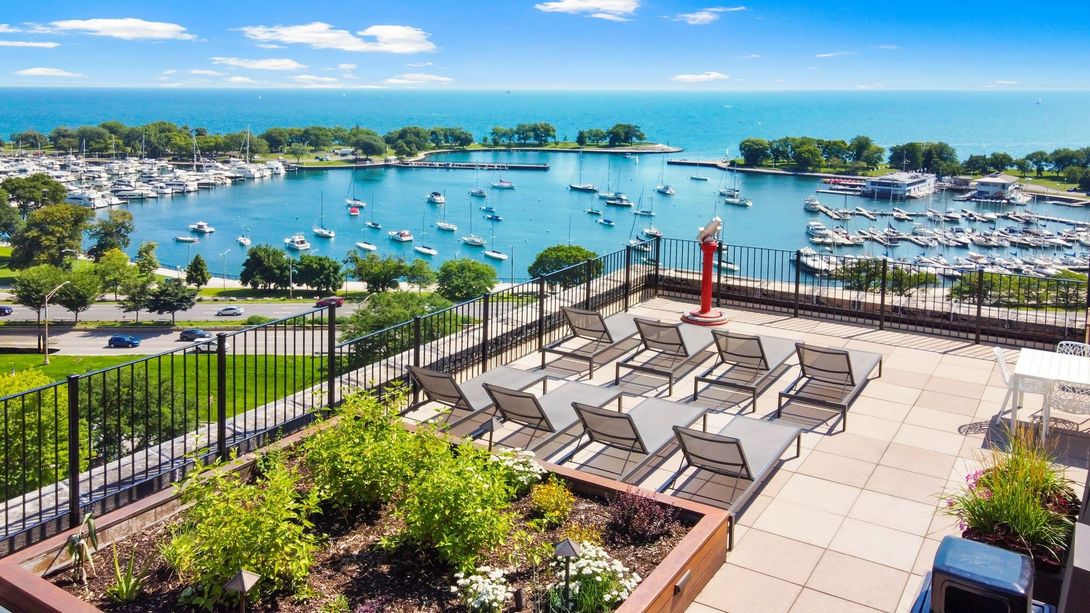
x: 1026, y: 386
x: 1066, y: 397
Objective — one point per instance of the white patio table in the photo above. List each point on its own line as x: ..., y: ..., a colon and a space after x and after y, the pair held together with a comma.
x: 1047, y: 366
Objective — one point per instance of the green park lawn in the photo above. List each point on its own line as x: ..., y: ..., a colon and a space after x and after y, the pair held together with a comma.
x: 6, y: 273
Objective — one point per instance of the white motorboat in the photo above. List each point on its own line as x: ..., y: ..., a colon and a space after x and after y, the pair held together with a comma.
x: 374, y: 225
x: 201, y: 227
x: 606, y: 222
x: 185, y: 239
x: 812, y: 204
x: 244, y: 240
x: 446, y: 226
x: 503, y: 184
x: 698, y: 178
x: 477, y: 192
x: 665, y: 189
x: 495, y: 255
x: 353, y: 211
x: 652, y: 231
x: 297, y: 242
x: 366, y: 246
x: 401, y: 236
x: 437, y: 198
x: 424, y: 249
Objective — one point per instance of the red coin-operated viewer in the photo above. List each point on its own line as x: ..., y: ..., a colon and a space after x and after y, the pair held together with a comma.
x: 709, y: 244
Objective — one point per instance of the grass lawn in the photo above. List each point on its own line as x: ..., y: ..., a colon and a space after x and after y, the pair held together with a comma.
x: 6, y: 274
x: 251, y: 380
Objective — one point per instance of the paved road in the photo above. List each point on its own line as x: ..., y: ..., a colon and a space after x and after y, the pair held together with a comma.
x: 202, y: 311
x: 300, y: 341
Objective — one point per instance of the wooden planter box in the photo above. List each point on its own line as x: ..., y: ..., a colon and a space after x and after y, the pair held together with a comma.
x: 671, y: 586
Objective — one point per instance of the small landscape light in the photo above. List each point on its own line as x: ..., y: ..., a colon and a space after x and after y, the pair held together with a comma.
x: 241, y: 584
x: 566, y: 550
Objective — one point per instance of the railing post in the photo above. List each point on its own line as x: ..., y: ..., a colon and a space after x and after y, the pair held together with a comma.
x: 221, y: 396
x: 487, y: 316
x: 798, y: 279
x: 73, y: 451
x: 416, y: 357
x: 627, y: 273
x: 1086, y: 318
x: 718, y: 274
x: 882, y: 301
x: 540, y: 313
x: 331, y: 358
x: 658, y: 263
x: 588, y: 266
x: 979, y: 304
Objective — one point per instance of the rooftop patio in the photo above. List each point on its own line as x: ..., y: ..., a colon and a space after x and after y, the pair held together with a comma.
x: 853, y: 522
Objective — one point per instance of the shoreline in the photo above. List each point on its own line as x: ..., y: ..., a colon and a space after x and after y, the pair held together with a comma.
x: 651, y: 149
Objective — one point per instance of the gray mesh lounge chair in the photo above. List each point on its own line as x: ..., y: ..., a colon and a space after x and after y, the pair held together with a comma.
x: 830, y: 378
x: 469, y: 397
x: 753, y: 363
x: 747, y: 450
x: 600, y: 336
x: 549, y: 416
x: 644, y: 431
x: 675, y: 349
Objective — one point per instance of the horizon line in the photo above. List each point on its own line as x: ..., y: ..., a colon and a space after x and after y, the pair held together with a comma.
x: 542, y: 90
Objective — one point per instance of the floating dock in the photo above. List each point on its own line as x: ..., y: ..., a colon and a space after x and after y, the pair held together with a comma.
x: 470, y: 166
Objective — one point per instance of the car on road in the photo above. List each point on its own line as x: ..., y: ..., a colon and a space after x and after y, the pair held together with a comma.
x: 230, y: 310
x: 336, y: 301
x: 5, y: 311
x: 192, y: 334
x: 206, y: 346
x: 123, y: 340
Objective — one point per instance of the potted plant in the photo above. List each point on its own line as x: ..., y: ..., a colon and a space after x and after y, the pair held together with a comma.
x: 1022, y: 501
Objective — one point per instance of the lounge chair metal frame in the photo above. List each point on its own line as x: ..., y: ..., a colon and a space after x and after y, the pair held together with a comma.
x: 814, y: 372
x: 504, y: 406
x: 602, y: 335
x: 441, y: 387
x: 752, y: 354
x: 679, y: 350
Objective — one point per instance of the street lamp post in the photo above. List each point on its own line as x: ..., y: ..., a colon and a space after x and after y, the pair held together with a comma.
x: 45, y: 315
x: 224, y: 254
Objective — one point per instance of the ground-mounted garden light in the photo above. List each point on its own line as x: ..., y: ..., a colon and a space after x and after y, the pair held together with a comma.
x: 566, y: 550
x: 241, y: 584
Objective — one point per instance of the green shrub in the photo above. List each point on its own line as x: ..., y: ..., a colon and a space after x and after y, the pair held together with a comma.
x: 598, y: 582
x: 368, y: 457
x: 520, y: 469
x: 551, y: 503
x: 458, y: 507
x: 262, y: 527
x: 256, y: 320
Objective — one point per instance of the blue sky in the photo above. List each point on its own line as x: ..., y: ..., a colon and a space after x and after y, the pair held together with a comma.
x: 546, y: 44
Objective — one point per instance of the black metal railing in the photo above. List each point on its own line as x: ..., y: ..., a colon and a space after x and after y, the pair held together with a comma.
x: 102, y: 439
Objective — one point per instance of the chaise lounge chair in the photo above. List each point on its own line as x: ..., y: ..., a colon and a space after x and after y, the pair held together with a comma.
x: 747, y: 450
x: 830, y: 378
x: 754, y: 362
x: 600, y: 336
x: 645, y: 430
x: 675, y: 349
x: 469, y: 397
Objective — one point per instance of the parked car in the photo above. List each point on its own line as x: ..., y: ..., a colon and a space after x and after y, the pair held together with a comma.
x: 123, y: 340
x: 336, y: 301
x: 192, y: 334
x: 5, y: 311
x: 204, y: 346
x: 230, y: 310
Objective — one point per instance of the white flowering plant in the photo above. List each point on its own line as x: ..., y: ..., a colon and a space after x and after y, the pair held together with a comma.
x: 597, y: 582
x: 520, y: 469
x: 484, y: 591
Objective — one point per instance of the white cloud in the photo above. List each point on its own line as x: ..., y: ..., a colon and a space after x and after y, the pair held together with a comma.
x: 418, y: 78
x: 706, y: 16
x: 169, y: 71
x: 125, y: 29
x: 272, y: 63
x: 269, y: 46
x: 418, y: 64
x: 832, y: 54
x: 240, y: 80
x: 172, y: 84
x: 47, y: 72
x: 312, y: 79
x: 346, y: 66
x: 7, y: 29
x: 610, y: 10
x: 702, y: 77
x: 205, y: 72
x: 1001, y: 83
x: 26, y: 43
x: 320, y: 35
x: 870, y: 86
x: 751, y: 56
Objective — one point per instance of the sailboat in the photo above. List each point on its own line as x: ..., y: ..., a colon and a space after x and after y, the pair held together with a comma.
x: 477, y: 192
x: 733, y: 194
x: 350, y: 199
x: 366, y: 246
x: 445, y: 225
x: 371, y: 223
x: 424, y: 249
x: 580, y: 186
x: 472, y: 240
x: 663, y: 187
x: 607, y: 194
x: 320, y: 230
x: 503, y: 184
x: 492, y: 253
x: 648, y: 212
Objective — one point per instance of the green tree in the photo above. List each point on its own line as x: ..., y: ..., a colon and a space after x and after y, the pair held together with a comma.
x: 265, y: 267
x: 779, y: 150
x: 596, y: 136
x: 34, y: 192
x: 113, y: 270
x: 383, y: 310
x: 1040, y: 161
x: 171, y: 296
x: 379, y: 273
x: 581, y: 138
x: 419, y: 273
x: 938, y: 156
x: 49, y: 234
x: 559, y: 257
x: 908, y: 156
x: 33, y: 284
x: 111, y: 232
x: 859, y: 146
x: 35, y: 433
x: 10, y: 220
x: 146, y: 261
x: 1000, y: 161
x: 196, y: 273
x: 625, y: 134
x: 1061, y: 158
x: 754, y: 151
x: 461, y: 279
x: 808, y: 157
x: 872, y: 158
x: 320, y: 273
x: 83, y: 289
x: 31, y: 139
x: 136, y: 292
x: 976, y: 164
x: 297, y: 151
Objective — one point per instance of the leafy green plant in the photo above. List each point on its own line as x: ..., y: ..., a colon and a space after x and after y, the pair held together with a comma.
x: 458, y: 507
x: 584, y: 533
x: 636, y: 519
x: 80, y: 548
x: 256, y: 320
x: 128, y: 584
x: 520, y: 469
x: 1020, y: 500
x: 262, y: 526
x: 339, y: 604
x: 551, y: 503
x: 597, y: 582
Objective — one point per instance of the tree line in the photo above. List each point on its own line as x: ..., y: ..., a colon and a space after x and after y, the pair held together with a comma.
x: 861, y: 154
